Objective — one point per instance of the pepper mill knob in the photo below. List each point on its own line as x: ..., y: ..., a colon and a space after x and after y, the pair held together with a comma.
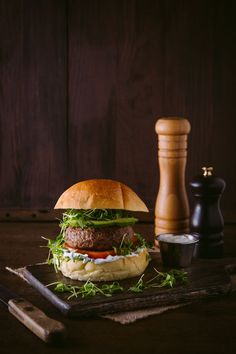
x: 207, y: 171
x: 207, y: 222
x: 172, y: 208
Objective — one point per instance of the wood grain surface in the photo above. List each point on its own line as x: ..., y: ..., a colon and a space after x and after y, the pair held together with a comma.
x: 33, y: 102
x: 204, y: 327
x: 205, y: 280
x: 83, y: 83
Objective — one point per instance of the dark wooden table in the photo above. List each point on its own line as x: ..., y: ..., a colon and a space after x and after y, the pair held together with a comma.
x: 204, y: 327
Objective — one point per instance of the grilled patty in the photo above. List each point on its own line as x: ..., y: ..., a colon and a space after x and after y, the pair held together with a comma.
x: 97, y: 239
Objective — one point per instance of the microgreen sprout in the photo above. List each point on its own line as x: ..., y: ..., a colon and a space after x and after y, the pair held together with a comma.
x: 88, y: 289
x: 168, y: 279
x: 139, y: 286
x: 96, y: 218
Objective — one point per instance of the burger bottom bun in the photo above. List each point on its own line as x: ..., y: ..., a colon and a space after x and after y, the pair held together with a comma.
x: 126, y: 267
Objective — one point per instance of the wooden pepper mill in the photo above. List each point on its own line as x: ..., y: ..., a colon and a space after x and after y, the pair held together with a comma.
x: 207, y: 222
x: 172, y: 208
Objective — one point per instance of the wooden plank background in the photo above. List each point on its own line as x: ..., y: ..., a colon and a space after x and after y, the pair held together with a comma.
x: 82, y: 84
x: 33, y: 102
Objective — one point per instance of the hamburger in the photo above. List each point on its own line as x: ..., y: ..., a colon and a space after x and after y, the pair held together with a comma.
x: 97, y: 241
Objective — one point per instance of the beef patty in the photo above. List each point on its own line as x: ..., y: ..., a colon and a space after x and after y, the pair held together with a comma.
x: 97, y: 239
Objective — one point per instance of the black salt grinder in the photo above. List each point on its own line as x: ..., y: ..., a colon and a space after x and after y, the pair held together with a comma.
x: 207, y: 223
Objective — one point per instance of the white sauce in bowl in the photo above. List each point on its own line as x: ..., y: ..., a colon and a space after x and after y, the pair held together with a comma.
x: 182, y: 239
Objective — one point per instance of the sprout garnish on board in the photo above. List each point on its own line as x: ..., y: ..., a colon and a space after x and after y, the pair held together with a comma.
x: 89, y: 289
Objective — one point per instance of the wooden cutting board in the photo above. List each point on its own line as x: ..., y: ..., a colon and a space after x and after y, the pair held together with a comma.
x: 206, y: 279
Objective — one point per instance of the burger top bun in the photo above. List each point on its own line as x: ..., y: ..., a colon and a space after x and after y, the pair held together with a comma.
x: 100, y: 194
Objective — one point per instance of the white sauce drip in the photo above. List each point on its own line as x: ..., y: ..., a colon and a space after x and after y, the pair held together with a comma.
x: 85, y: 258
x: 183, y: 239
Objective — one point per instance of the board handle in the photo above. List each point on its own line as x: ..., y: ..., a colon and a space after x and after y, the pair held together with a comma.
x: 47, y: 329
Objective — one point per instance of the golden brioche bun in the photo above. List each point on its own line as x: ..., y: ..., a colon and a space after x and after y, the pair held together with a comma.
x: 123, y: 268
x: 100, y: 194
